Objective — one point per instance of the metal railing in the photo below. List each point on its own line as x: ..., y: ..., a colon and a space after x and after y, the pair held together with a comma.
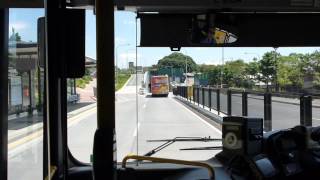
x: 235, y: 102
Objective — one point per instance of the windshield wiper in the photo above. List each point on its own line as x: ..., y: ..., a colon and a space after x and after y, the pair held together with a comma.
x: 168, y: 142
x: 203, y: 148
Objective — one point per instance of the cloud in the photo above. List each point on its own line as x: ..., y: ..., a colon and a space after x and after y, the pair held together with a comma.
x: 212, y: 62
x: 18, y: 25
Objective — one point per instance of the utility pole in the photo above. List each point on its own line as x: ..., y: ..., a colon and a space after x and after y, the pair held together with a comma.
x: 186, y: 71
x: 276, y: 69
x: 116, y: 63
x: 222, y: 62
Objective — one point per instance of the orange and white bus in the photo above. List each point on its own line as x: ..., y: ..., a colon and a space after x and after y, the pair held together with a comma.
x: 160, y: 85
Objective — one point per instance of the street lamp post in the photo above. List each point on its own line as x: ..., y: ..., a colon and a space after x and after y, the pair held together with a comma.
x: 222, y: 62
x: 127, y: 51
x: 276, y: 69
x: 116, y: 63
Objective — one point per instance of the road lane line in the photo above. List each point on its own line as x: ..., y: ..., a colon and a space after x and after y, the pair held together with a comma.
x: 38, y: 133
x: 25, y: 139
x: 74, y: 120
x: 194, y: 114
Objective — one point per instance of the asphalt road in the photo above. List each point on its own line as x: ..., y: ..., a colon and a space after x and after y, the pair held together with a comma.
x: 159, y: 118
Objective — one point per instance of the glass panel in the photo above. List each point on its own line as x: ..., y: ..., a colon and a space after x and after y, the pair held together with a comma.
x: 200, y: 96
x: 81, y: 98
x: 316, y: 110
x: 256, y: 70
x: 285, y: 112
x: 206, y: 97
x: 214, y: 100
x: 25, y: 100
x: 236, y: 100
x: 255, y: 105
x: 223, y: 102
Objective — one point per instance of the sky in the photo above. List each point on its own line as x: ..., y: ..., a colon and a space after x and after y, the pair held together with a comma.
x: 24, y: 21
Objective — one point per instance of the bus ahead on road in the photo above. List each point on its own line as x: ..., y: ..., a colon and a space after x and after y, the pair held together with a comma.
x: 160, y: 85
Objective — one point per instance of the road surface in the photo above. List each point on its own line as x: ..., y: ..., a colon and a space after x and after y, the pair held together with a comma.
x: 159, y: 118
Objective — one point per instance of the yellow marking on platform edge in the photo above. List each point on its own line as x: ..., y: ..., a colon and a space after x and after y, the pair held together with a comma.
x: 39, y: 133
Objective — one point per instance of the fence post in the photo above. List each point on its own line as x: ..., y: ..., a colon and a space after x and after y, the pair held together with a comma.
x: 193, y: 94
x: 186, y: 92
x: 244, y: 104
x: 267, y: 112
x: 218, y: 101
x: 229, y: 108
x: 198, y: 95
x: 306, y: 110
x: 209, y: 98
x: 203, y: 97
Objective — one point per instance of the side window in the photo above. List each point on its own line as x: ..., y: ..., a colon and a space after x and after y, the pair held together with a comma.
x: 25, y: 96
x: 81, y: 98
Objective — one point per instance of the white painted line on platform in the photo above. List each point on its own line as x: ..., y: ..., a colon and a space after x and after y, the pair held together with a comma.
x: 194, y: 114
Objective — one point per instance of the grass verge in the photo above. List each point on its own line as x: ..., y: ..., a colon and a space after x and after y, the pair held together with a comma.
x: 121, y: 80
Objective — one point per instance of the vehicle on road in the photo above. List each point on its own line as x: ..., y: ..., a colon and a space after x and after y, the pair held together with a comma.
x: 160, y: 85
x: 141, y: 91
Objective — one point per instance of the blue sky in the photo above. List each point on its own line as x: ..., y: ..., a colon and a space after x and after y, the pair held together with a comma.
x: 25, y: 22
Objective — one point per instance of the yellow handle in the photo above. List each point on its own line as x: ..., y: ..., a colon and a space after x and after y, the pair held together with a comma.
x: 172, y: 161
x: 53, y: 170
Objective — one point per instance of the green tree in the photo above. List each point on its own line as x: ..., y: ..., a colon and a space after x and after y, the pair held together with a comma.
x: 289, y: 71
x: 234, y: 73
x: 268, y: 67
x: 178, y: 60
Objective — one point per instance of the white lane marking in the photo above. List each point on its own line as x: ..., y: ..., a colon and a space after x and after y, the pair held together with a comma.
x: 194, y: 114
x: 136, y: 130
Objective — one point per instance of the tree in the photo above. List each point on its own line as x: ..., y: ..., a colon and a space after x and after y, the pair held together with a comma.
x: 15, y: 36
x: 234, y: 74
x: 289, y: 71
x: 268, y: 67
x: 252, y: 70
x: 178, y: 60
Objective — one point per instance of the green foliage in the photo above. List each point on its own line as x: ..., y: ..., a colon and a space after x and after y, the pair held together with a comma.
x: 284, y: 71
x: 82, y: 82
x: 121, y: 79
x: 178, y: 60
x: 268, y: 67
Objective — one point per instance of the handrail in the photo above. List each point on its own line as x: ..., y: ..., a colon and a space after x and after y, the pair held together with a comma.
x: 53, y: 170
x: 172, y: 161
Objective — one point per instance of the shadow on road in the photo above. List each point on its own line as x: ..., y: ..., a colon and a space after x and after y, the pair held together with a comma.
x: 72, y: 107
x: 156, y: 96
x: 22, y: 122
x: 26, y: 121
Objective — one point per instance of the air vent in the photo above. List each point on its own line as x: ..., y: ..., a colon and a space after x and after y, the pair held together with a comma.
x: 303, y: 3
